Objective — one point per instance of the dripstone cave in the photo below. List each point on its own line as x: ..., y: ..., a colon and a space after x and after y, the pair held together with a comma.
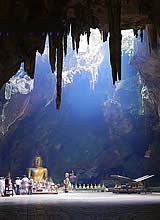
x: 80, y: 86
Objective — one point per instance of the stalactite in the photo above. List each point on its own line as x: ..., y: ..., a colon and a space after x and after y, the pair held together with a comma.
x: 66, y: 33
x: 59, y: 71
x: 73, y: 43
x: 73, y: 35
x: 141, y: 34
x: 105, y: 36
x: 114, y: 12
x: 135, y: 31
x: 65, y: 43
x: 52, y: 52
x: 77, y: 43
x: 42, y: 43
x: 88, y: 35
x: 29, y: 64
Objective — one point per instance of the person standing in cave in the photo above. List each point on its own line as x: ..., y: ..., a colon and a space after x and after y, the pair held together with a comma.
x: 30, y: 186
x: 2, y: 186
x: 66, y: 182
x: 18, y: 185
x: 25, y: 181
x: 73, y: 179
x: 7, y: 183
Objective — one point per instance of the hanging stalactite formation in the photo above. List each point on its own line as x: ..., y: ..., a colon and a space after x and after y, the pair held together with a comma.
x: 59, y: 70
x: 25, y: 25
x: 114, y: 14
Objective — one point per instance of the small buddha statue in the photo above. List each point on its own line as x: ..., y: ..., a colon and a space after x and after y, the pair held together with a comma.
x: 37, y: 172
x: 87, y: 186
x: 91, y: 186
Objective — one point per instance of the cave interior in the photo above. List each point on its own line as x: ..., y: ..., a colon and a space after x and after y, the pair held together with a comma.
x: 25, y: 25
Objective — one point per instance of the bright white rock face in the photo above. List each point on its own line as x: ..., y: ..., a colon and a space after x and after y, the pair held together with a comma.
x: 128, y: 41
x: 88, y: 59
x: 19, y: 83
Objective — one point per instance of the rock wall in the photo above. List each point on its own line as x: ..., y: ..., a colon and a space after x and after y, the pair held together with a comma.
x: 147, y: 63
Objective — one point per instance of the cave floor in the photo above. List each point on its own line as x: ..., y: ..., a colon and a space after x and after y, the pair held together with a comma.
x: 85, y: 206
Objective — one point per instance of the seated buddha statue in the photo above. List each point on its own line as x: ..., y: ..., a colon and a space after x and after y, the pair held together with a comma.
x: 37, y: 172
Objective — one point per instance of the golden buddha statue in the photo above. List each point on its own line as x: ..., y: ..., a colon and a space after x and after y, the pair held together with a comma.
x: 37, y: 173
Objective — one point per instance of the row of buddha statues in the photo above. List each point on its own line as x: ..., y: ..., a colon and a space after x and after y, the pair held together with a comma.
x: 96, y: 187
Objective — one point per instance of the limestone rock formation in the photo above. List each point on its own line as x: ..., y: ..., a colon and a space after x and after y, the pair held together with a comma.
x: 146, y: 60
x: 58, y: 19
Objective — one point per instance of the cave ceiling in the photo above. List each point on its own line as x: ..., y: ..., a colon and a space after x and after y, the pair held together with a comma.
x: 25, y: 24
